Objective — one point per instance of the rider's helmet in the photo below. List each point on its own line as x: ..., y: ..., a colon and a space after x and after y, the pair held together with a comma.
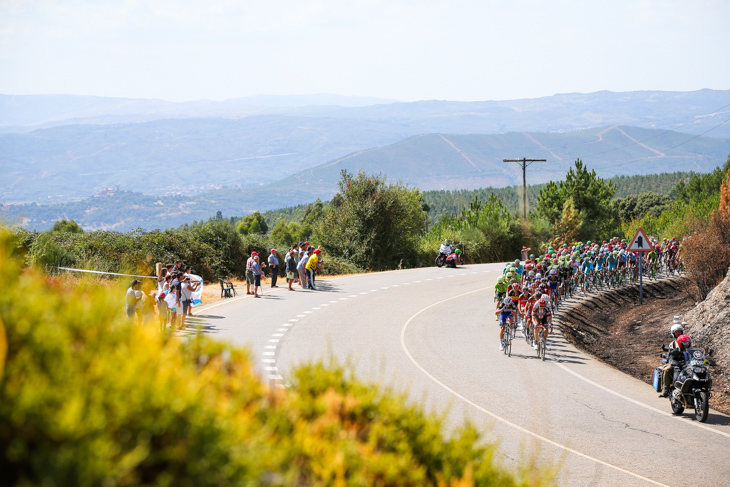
x: 538, y: 275
x: 684, y: 341
x: 531, y: 274
x: 457, y: 251
x: 532, y: 256
x: 517, y: 261
x: 447, y: 242
x: 509, y: 275
x: 507, y: 300
x: 542, y: 303
x: 675, y: 328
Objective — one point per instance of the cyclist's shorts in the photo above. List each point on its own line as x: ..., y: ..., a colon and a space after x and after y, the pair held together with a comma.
x: 554, y: 286
x: 504, y: 318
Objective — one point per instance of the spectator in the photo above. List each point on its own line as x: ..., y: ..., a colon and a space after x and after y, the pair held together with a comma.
x: 178, y: 266
x: 296, y: 256
x: 303, y: 258
x: 249, y: 272
x: 172, y: 299
x: 312, y: 264
x: 187, y: 288
x: 161, y: 279
x: 274, y: 267
x: 291, y: 266
x: 256, y: 269
x: 133, y: 298
x: 189, y: 270
x: 148, y: 302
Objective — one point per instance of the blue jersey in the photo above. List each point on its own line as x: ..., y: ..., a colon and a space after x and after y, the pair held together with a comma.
x: 587, y: 266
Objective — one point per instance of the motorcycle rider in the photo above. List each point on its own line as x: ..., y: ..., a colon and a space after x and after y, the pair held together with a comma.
x: 676, y: 331
x: 676, y: 359
x: 454, y: 259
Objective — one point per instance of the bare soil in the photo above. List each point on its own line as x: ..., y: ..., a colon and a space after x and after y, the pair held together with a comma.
x: 614, y: 328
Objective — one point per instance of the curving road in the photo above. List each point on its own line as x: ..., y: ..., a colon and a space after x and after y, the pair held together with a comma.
x: 432, y: 333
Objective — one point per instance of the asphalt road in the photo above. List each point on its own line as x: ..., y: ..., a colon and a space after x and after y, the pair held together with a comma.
x: 431, y: 332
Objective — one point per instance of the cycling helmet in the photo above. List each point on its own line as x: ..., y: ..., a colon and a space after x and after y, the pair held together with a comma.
x: 517, y: 261
x: 531, y: 274
x: 447, y: 242
x: 457, y: 251
x: 542, y: 303
x: 675, y: 328
x: 538, y: 275
x: 507, y: 300
x: 684, y: 341
x: 532, y: 256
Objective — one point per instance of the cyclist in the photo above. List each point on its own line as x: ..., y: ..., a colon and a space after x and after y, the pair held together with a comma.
x: 541, y: 319
x: 505, y: 315
x: 500, y: 289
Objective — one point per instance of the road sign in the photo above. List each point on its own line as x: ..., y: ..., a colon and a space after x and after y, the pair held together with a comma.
x: 640, y: 242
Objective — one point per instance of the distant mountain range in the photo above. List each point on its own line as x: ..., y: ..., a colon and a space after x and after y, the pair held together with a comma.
x: 164, y: 148
x: 431, y: 161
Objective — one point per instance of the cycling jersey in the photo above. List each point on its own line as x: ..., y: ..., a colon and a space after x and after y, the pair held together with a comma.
x: 541, y: 314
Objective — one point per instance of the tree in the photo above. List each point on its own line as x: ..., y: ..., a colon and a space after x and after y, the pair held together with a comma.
x: 636, y: 206
x: 570, y: 224
x: 68, y: 226
x: 252, y: 224
x: 591, y: 197
x: 281, y: 234
x: 371, y: 223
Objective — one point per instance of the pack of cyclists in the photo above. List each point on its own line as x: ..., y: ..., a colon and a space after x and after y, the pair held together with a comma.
x: 529, y: 292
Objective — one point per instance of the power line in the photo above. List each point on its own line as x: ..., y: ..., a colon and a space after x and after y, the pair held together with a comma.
x: 524, y: 164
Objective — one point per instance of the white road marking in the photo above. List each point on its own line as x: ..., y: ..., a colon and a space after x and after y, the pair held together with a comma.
x: 269, y: 354
x: 307, y: 312
x: 301, y: 316
x: 364, y: 292
x: 277, y: 335
x: 324, y: 304
x: 273, y: 340
x: 429, y: 279
x: 288, y: 324
x: 406, y: 283
x: 384, y: 288
x: 334, y: 302
x: 489, y: 413
x: 270, y: 347
x: 638, y: 403
x: 352, y: 296
x: 294, y: 320
x: 268, y: 361
x: 395, y: 285
x: 271, y: 369
x: 417, y: 281
x: 373, y: 290
x: 316, y: 308
x: 276, y: 377
x: 283, y: 329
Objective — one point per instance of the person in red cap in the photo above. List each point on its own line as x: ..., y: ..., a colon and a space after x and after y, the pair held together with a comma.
x: 525, y: 252
x: 249, y: 272
x: 312, y: 264
x: 274, y: 267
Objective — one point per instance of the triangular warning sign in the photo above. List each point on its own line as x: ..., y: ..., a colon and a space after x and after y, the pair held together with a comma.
x: 640, y: 242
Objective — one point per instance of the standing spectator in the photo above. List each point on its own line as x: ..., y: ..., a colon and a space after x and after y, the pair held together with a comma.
x: 172, y: 299
x: 291, y: 266
x: 274, y: 267
x: 161, y: 279
x: 133, y: 298
x: 189, y: 270
x: 295, y: 255
x: 249, y: 272
x: 148, y: 303
x: 303, y: 258
x: 256, y: 268
x: 311, y: 266
x: 178, y: 266
x: 188, y: 287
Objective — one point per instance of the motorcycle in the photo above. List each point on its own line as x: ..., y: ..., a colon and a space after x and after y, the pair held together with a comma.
x: 692, y: 385
x: 444, y: 252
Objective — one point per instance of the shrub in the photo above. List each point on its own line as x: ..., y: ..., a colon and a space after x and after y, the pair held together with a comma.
x: 87, y: 399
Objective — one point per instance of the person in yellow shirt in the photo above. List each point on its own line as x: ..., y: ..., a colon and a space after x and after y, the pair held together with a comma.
x: 312, y: 264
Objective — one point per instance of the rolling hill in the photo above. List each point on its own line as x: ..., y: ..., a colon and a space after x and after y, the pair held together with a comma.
x: 432, y: 161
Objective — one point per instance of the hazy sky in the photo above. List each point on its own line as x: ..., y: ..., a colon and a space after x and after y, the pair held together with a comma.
x: 406, y: 50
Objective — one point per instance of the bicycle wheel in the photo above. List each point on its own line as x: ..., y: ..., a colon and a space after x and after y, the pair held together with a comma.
x: 508, y: 346
x: 541, y: 349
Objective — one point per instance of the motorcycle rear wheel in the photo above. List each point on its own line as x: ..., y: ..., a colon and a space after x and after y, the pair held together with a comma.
x: 439, y: 261
x: 677, y: 407
x: 702, y: 406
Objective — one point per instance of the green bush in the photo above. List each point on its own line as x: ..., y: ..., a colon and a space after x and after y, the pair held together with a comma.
x: 88, y: 399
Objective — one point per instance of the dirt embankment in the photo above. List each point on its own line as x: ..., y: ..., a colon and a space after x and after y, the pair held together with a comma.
x: 614, y: 328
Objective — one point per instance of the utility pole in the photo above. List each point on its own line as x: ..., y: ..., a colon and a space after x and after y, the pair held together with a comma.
x: 524, y: 162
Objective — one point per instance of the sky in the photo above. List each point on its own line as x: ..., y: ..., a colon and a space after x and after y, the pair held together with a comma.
x: 182, y: 50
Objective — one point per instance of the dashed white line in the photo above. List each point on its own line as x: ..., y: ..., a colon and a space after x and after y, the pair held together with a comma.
x: 352, y: 296
x: 274, y: 340
x: 333, y: 302
x: 268, y: 361
x: 324, y: 304
x: 307, y: 312
x: 301, y: 316
x: 276, y: 377
x: 271, y: 369
x: 282, y: 329
x: 364, y: 292
x: 270, y: 347
x: 277, y: 335
x: 316, y: 308
x: 294, y: 320
x: 269, y: 353
x: 373, y: 290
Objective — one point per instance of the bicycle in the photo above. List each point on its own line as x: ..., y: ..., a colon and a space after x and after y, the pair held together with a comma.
x: 541, y: 345
x: 507, y: 340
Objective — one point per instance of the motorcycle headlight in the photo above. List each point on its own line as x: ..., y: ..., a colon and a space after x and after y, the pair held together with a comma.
x: 698, y: 370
